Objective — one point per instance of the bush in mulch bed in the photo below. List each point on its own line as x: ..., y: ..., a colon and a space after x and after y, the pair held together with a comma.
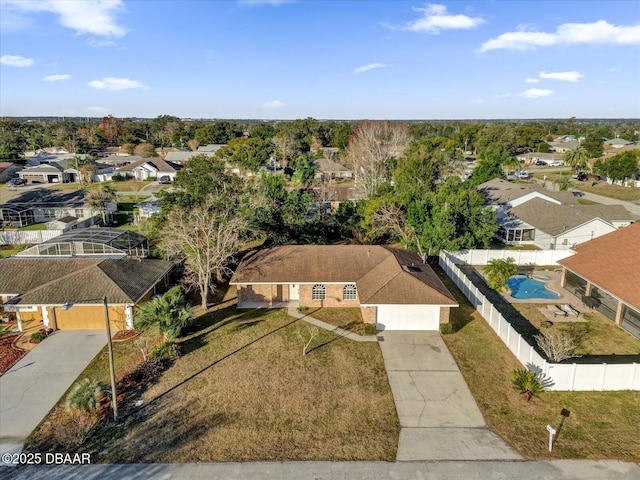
x: 122, y: 335
x: 8, y: 353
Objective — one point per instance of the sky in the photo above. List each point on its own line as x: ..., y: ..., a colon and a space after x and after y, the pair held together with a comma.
x: 330, y: 59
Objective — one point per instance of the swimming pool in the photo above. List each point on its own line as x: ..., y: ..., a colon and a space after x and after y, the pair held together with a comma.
x: 523, y: 287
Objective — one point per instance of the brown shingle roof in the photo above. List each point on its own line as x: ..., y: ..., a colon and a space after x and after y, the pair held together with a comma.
x: 377, y: 272
x: 160, y: 164
x: 60, y: 281
x: 611, y: 262
x: 555, y: 219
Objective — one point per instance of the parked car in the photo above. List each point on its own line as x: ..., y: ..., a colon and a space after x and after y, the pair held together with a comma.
x: 580, y: 176
x: 577, y: 193
x: 556, y: 163
x: 542, y: 163
x: 14, y: 182
x: 165, y: 179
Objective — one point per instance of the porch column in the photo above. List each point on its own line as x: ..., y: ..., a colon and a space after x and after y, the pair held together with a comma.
x: 19, y: 319
x: 563, y: 278
x: 619, y: 313
x: 587, y: 289
x: 128, y: 316
x: 45, y: 315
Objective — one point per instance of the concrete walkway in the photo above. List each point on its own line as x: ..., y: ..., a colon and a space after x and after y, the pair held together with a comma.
x: 37, y: 381
x: 439, y: 417
x: 292, y: 312
x: 488, y: 470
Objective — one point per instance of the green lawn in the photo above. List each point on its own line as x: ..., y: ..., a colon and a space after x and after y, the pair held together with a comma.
x: 601, y: 425
x: 346, y: 318
x: 9, y: 252
x: 242, y: 391
x: 35, y: 226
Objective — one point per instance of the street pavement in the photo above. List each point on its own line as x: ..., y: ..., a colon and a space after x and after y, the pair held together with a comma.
x: 439, y: 418
x: 37, y: 381
x: 457, y: 470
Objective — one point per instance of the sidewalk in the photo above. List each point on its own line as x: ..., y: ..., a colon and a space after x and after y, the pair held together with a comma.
x: 485, y: 470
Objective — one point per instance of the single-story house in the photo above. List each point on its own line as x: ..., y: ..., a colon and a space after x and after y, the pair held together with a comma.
x: 558, y: 227
x: 8, y: 170
x: 617, y: 142
x: 183, y: 157
x: 503, y: 195
x: 146, y: 168
x: 330, y: 170
x: 60, y: 168
x: 563, y: 147
x: 606, y: 273
x: 393, y: 288
x: 25, y: 207
x: 37, y: 289
x: 211, y: 148
x: 145, y: 209
x: 119, y: 160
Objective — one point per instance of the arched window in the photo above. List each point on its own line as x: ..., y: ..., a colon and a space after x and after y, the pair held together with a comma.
x: 319, y: 292
x: 349, y: 292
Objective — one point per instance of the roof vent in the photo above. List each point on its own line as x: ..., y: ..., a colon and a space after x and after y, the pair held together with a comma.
x: 411, y: 268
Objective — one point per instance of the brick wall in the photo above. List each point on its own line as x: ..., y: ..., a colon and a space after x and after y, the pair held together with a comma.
x: 333, y: 299
x: 369, y: 314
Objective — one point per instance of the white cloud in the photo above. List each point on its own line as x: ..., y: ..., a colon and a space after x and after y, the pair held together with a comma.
x: 96, y: 17
x: 612, y: 69
x: 601, y: 32
x: 435, y: 19
x: 16, y: 61
x: 116, y: 84
x: 572, y: 76
x: 98, y: 110
x: 366, y: 68
x: 477, y: 100
x: 531, y: 80
x: 536, y: 93
x: 55, y: 78
x: 273, y: 104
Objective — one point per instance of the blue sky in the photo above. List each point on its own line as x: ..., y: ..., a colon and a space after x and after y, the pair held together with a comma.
x: 324, y: 59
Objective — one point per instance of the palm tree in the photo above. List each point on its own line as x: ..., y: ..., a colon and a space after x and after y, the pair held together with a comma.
x: 564, y: 183
x: 510, y: 164
x: 527, y: 383
x: 576, y: 158
x: 498, y: 272
x: 85, y: 396
x: 170, y: 313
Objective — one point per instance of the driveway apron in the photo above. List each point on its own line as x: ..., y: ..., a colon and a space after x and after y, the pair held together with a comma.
x: 439, y: 417
x: 33, y: 385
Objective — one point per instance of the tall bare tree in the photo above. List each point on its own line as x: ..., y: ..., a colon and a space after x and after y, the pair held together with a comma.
x: 371, y: 147
x: 207, y: 237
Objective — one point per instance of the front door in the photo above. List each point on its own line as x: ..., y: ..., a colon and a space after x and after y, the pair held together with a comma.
x: 294, y: 292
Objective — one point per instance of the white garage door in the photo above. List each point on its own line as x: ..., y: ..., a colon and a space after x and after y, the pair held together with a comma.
x: 408, y: 317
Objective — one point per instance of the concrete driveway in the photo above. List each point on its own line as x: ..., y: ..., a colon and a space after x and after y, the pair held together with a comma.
x: 439, y: 418
x: 33, y: 385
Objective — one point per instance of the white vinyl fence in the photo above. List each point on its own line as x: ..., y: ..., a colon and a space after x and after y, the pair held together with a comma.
x: 521, y: 257
x: 573, y: 376
x: 15, y: 237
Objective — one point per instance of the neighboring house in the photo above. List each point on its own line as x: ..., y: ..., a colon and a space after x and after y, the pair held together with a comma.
x: 147, y: 168
x: 606, y: 273
x: 549, y: 225
x: 392, y: 288
x: 48, y: 150
x: 618, y: 142
x: 533, y: 157
x: 91, y: 242
x: 59, y: 168
x: 8, y: 170
x: 25, y: 207
x: 334, y: 195
x: 118, y: 160
x: 183, y: 157
x: 563, y: 147
x: 502, y: 195
x: 211, y: 148
x: 329, y: 170
x: 37, y: 289
x: 146, y: 208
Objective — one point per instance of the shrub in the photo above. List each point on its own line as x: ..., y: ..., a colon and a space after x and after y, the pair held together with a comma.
x: 85, y: 396
x: 37, y: 337
x: 170, y: 313
x: 498, y: 272
x: 556, y: 345
x: 301, y: 309
x: 527, y: 383
x: 370, y: 329
x: 164, y: 351
x: 446, y: 328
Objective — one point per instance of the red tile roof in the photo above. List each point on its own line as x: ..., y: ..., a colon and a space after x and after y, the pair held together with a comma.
x: 612, y: 263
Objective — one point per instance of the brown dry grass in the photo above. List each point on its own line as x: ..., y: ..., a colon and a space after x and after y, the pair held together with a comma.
x: 243, y: 391
x: 602, y: 425
x: 599, y: 187
x: 598, y: 336
x: 345, y: 318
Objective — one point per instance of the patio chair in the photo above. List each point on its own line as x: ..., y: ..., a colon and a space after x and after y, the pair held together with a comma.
x: 556, y: 310
x: 570, y: 310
